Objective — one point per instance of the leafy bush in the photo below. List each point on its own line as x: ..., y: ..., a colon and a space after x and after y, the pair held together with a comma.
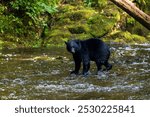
x: 26, y: 19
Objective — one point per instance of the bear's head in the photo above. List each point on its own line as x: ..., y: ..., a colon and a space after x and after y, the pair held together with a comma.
x: 73, y: 46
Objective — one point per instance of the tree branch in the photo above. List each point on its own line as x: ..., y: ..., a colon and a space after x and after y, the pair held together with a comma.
x: 133, y: 11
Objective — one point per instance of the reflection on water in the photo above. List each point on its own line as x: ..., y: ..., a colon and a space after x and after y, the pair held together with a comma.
x: 44, y: 74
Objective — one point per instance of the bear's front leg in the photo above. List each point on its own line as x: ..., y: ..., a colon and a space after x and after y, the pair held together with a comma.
x: 77, y: 61
x: 77, y: 67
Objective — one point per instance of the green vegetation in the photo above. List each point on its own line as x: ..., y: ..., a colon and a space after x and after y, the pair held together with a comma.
x: 42, y: 23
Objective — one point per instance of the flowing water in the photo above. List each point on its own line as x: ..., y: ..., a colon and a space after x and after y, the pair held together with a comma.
x: 44, y: 74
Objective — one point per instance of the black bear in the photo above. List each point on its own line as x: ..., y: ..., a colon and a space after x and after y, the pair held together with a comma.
x: 89, y: 50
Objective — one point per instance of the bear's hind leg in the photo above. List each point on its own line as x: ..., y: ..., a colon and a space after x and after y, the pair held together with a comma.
x: 100, y: 70
x: 108, y: 66
x: 99, y: 65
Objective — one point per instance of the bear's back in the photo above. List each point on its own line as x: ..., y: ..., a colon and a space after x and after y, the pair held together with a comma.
x: 94, y: 44
x: 96, y: 48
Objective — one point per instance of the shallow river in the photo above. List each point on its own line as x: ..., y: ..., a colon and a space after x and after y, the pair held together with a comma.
x: 44, y: 74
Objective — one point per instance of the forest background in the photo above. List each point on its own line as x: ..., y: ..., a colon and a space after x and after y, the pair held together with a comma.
x: 43, y: 23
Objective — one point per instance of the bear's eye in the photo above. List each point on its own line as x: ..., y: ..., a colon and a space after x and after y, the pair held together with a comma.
x: 72, y: 46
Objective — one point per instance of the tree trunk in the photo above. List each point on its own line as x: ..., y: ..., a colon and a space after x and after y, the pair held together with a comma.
x: 133, y: 11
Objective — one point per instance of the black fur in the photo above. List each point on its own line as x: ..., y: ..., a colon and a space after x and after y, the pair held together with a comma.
x: 89, y: 50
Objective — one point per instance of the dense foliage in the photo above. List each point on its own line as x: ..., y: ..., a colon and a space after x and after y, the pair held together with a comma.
x: 35, y: 23
x: 22, y: 21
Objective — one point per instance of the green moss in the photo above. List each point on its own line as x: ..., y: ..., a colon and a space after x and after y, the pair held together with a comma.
x: 1, y: 44
x: 66, y: 8
x: 63, y: 22
x: 81, y: 14
x: 59, y: 32
x: 75, y: 16
x: 100, y: 24
x: 77, y: 13
x: 9, y: 45
x: 58, y: 36
x: 55, y: 40
x: 78, y: 22
x: 120, y: 41
x: 139, y: 39
x: 127, y: 37
x: 80, y: 36
x: 77, y: 29
x: 72, y: 23
x: 148, y: 37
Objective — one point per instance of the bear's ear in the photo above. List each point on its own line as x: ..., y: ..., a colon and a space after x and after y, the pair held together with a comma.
x: 66, y: 42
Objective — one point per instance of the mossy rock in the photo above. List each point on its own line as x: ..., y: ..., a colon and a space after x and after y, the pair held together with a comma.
x: 76, y: 12
x: 148, y: 37
x: 81, y: 14
x: 100, y: 24
x: 76, y: 16
x: 127, y: 37
x: 9, y: 45
x: 63, y: 22
x: 139, y: 39
x: 77, y: 30
x: 119, y: 41
x: 57, y: 40
x: 59, y: 32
